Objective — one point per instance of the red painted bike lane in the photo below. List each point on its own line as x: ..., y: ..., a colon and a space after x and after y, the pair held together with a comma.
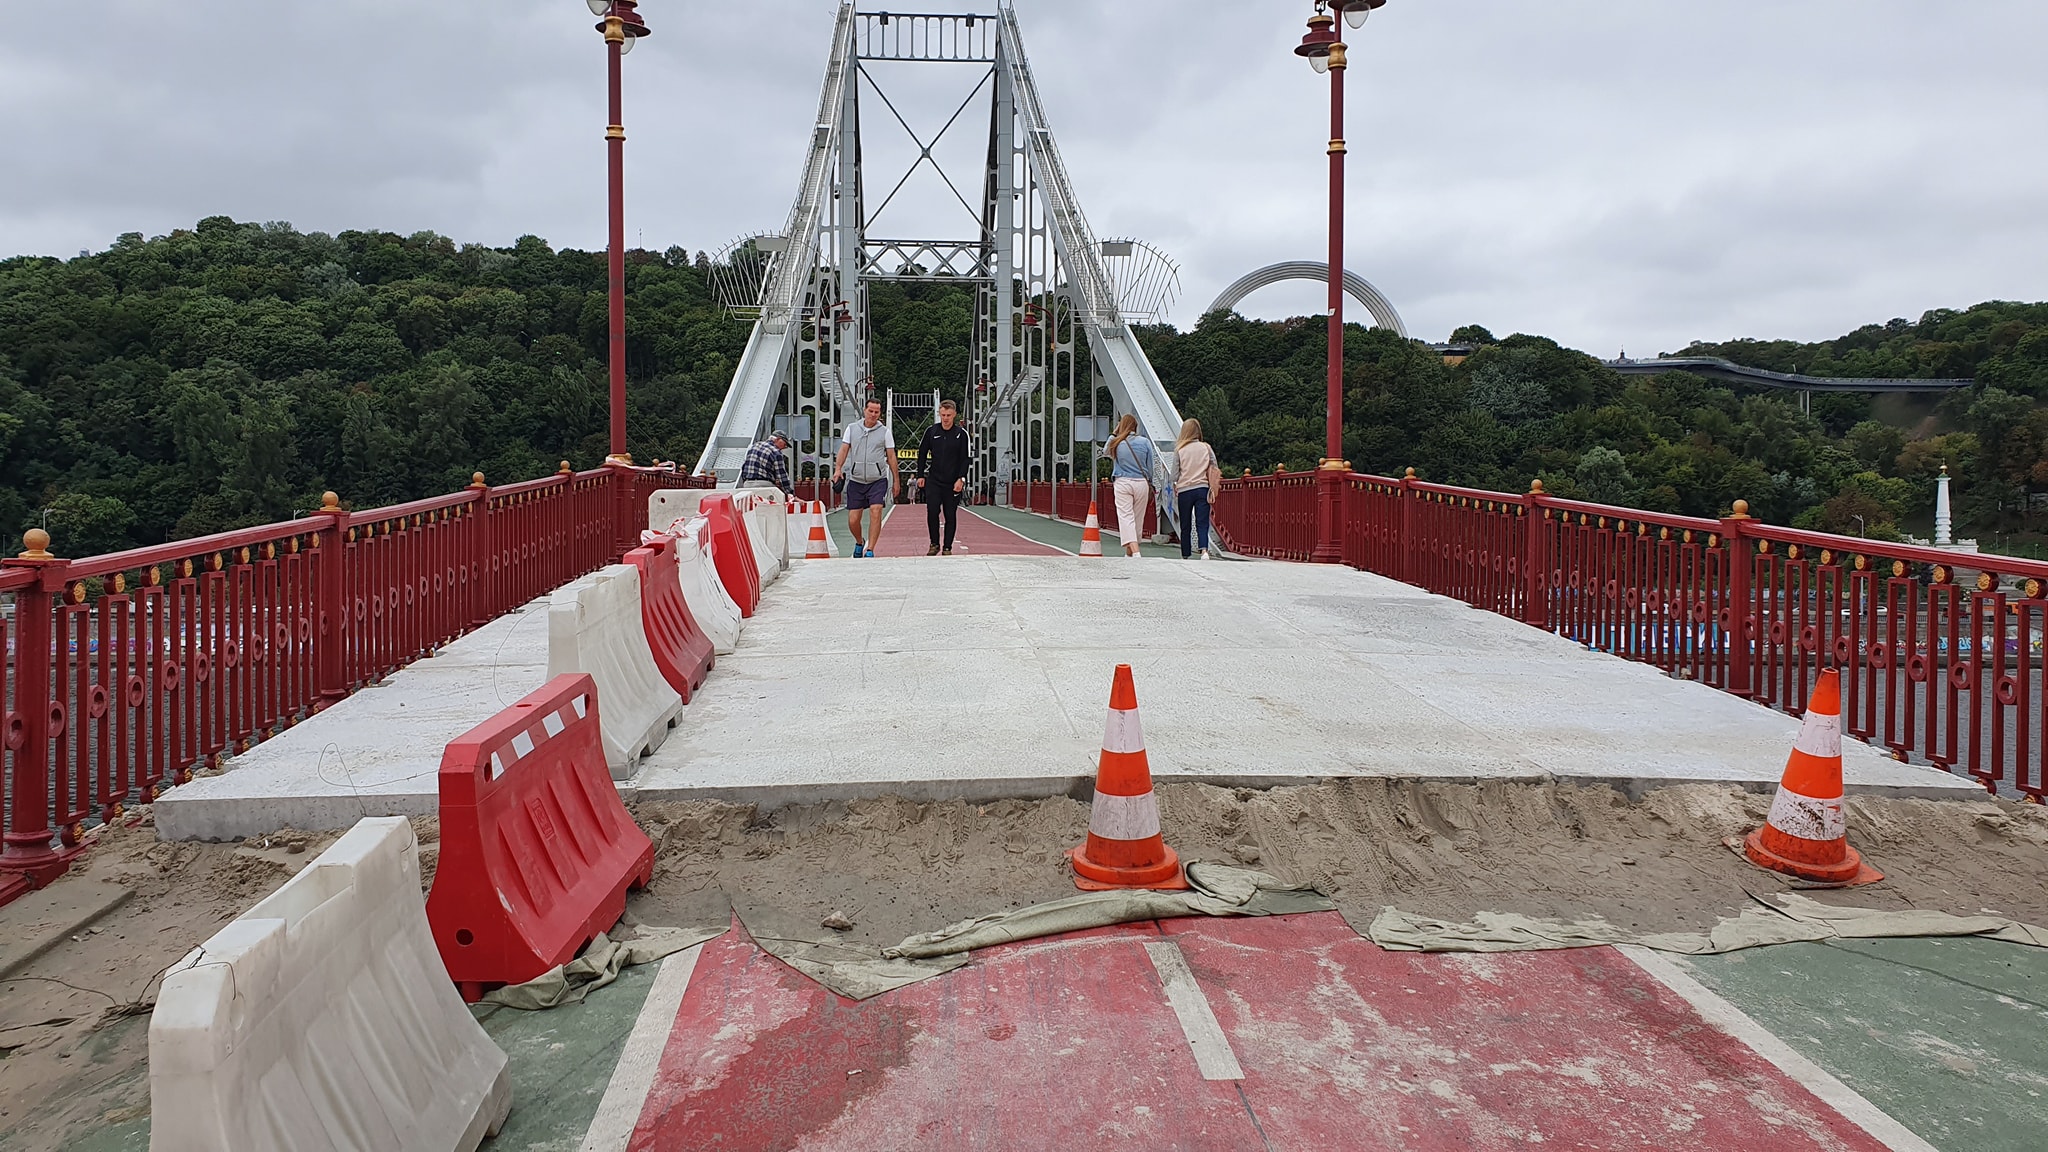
x: 907, y: 533
x: 1342, y: 1046
x: 1034, y: 1045
x: 1346, y: 1045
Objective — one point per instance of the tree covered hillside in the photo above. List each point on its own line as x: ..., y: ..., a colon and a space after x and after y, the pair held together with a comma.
x: 1522, y: 407
x: 227, y: 374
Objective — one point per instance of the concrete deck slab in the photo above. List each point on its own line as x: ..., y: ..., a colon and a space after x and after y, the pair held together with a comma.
x: 983, y: 677
x: 375, y: 753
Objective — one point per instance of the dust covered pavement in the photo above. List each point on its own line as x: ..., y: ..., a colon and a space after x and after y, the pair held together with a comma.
x: 73, y: 1024
x: 1439, y: 849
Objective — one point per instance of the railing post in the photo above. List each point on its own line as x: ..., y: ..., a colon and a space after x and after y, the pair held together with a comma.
x: 330, y: 596
x: 623, y: 532
x: 30, y: 726
x: 1535, y: 559
x: 1409, y: 567
x: 482, y: 543
x: 1735, y: 613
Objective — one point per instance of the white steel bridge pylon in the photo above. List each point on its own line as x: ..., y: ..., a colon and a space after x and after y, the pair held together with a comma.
x: 1053, y: 356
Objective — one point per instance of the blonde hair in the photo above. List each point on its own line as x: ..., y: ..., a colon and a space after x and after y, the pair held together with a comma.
x: 1190, y: 431
x: 1124, y: 428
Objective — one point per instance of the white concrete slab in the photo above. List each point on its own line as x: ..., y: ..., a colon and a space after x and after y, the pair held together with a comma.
x: 375, y: 753
x: 985, y: 677
x: 989, y: 677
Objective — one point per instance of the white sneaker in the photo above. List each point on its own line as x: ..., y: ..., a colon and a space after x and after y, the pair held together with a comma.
x: 1205, y: 554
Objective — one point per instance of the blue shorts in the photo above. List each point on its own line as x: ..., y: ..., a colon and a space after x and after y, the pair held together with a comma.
x: 872, y: 494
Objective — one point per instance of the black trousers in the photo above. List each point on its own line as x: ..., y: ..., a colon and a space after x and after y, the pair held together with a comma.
x: 941, y: 498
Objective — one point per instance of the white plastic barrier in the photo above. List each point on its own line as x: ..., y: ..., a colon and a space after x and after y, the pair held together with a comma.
x: 797, y: 529
x: 714, y: 608
x: 322, y: 1019
x: 763, y: 517
x: 594, y: 626
x: 669, y: 505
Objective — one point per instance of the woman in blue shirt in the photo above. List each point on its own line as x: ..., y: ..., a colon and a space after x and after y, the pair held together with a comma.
x: 1136, y: 463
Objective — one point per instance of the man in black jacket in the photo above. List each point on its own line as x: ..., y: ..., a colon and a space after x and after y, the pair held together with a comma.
x: 942, y: 460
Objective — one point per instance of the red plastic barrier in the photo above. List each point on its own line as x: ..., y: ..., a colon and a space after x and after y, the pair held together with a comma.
x: 681, y: 649
x: 732, y: 553
x: 537, y: 850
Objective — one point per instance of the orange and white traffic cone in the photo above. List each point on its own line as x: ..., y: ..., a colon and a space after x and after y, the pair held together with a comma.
x: 1124, y: 848
x: 817, y: 547
x: 1091, y: 535
x: 1807, y: 834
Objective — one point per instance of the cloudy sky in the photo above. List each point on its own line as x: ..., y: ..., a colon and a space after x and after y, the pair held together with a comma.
x: 1629, y: 172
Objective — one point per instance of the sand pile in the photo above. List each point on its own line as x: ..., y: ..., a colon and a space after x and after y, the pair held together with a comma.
x: 1445, y: 850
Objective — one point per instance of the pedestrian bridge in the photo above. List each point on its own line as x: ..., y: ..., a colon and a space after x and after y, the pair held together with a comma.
x: 980, y: 676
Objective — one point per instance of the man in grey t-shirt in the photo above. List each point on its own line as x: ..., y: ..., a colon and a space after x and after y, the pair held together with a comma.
x: 867, y: 461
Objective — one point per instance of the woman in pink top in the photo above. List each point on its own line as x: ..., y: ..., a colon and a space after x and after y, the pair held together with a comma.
x: 1196, y: 477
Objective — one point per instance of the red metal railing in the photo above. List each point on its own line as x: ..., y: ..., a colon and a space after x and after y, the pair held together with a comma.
x: 126, y: 672
x: 1068, y: 500
x: 1940, y: 652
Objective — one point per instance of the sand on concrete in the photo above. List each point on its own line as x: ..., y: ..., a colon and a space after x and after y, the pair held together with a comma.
x: 1441, y: 849
x: 74, y: 1029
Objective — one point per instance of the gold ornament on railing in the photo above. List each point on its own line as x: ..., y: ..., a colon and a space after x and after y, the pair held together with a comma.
x: 36, y: 545
x: 1986, y: 581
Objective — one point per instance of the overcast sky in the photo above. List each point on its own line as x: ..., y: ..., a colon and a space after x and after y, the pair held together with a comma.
x: 1629, y: 172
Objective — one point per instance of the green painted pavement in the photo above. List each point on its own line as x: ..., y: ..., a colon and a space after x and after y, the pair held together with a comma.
x: 1948, y: 1036
x: 1061, y: 534
x: 561, y: 1062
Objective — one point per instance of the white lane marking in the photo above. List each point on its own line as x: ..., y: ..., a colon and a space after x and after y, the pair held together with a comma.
x: 1197, y: 1020
x: 1815, y: 1079
x: 633, y: 1077
x: 1020, y: 535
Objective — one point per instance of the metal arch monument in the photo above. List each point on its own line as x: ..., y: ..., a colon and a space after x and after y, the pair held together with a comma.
x: 1052, y: 346
x: 1355, y: 286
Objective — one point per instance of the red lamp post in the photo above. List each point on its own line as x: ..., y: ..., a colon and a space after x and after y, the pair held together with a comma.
x: 621, y: 25
x: 1325, y: 52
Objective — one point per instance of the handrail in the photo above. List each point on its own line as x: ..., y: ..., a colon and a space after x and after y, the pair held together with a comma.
x: 120, y: 688
x: 1935, y: 671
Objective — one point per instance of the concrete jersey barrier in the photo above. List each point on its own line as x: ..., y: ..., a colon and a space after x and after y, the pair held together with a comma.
x: 322, y: 1018
x: 595, y: 626
x: 702, y: 591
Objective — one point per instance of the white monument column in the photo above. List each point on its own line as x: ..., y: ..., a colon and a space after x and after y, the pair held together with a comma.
x: 1942, y: 538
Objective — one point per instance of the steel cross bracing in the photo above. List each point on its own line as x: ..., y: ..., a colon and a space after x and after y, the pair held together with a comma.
x: 1054, y: 359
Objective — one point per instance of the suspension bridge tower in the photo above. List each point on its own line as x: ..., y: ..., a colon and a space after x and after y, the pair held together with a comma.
x: 1052, y: 359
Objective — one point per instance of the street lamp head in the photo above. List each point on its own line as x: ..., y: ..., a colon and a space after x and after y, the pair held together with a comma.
x: 1321, y: 37
x: 1355, y: 11
x: 631, y: 26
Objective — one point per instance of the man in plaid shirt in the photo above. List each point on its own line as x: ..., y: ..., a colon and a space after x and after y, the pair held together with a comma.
x: 766, y: 466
